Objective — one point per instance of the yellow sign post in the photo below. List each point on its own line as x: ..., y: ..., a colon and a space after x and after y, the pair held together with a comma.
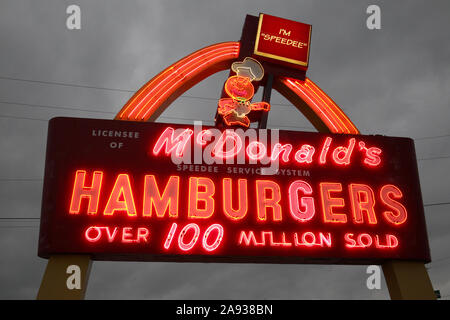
x: 65, y: 278
x: 408, y: 280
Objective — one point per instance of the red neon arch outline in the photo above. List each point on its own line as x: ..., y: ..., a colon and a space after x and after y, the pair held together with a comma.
x: 157, y: 94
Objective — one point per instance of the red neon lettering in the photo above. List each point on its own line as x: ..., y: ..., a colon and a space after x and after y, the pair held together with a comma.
x: 362, y: 201
x: 261, y: 150
x: 168, y: 200
x: 216, y: 243
x: 111, y: 233
x: 345, y: 151
x: 328, y: 203
x: 272, y: 243
x: 324, y: 240
x: 93, y: 239
x: 312, y: 238
x: 308, y: 239
x: 171, y: 143
x: 126, y: 235
x: 121, y: 190
x: 306, y: 202
x: 80, y: 191
x: 188, y: 246
x: 325, y: 147
x: 391, y: 242
x: 201, y: 140
x: 170, y: 235
x: 399, y: 213
x: 349, y: 238
x: 222, y: 143
x: 112, y: 236
x: 204, y: 197
x: 142, y: 234
x: 247, y: 239
x: 305, y: 153
x: 364, y: 244
x: 228, y: 199
x: 373, y: 158
x: 365, y: 240
x: 278, y: 148
x: 263, y: 202
x: 372, y: 154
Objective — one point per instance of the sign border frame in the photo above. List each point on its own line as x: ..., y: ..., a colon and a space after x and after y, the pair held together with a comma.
x: 274, y: 56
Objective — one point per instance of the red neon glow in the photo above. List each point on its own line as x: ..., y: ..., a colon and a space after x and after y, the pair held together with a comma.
x: 362, y: 201
x: 205, y: 198
x: 171, y: 143
x: 365, y: 240
x: 217, y: 241
x: 111, y: 236
x: 256, y: 150
x: 250, y: 239
x: 179, y: 77
x: 325, y: 147
x: 164, y: 203
x: 128, y: 234
x: 174, y: 84
x: 279, y: 148
x: 188, y: 246
x: 228, y: 199
x: 309, y: 239
x: 305, y: 154
x: 230, y: 144
x: 264, y: 202
x: 328, y: 203
x: 399, y: 214
x: 321, y: 104
x: 309, y: 98
x: 121, y: 190
x: 372, y: 154
x: 203, y: 137
x: 170, y: 235
x: 80, y: 191
x: 145, y: 102
x: 240, y: 89
x: 168, y: 201
x: 307, y: 202
x: 391, y: 242
x: 93, y: 239
x: 329, y: 104
x: 266, y: 238
x: 341, y: 155
x: 228, y: 137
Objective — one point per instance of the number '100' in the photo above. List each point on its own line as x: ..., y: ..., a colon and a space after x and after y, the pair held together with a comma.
x: 209, y: 242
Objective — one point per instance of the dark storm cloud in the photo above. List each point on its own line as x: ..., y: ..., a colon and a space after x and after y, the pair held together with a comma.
x: 393, y: 81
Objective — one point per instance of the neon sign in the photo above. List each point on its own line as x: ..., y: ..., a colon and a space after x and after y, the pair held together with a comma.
x: 176, y: 144
x: 283, y: 40
x: 333, y: 199
x: 239, y: 88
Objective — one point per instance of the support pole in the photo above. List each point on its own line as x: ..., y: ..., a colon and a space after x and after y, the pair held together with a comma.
x: 408, y: 280
x: 58, y: 277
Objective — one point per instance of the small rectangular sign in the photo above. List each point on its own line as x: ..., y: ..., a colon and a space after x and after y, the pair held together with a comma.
x: 120, y: 190
x: 283, y: 40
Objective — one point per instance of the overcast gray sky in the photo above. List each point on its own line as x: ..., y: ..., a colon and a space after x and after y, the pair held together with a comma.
x: 393, y: 81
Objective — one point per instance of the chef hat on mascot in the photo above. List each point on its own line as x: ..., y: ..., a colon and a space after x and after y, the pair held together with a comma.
x: 249, y: 68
